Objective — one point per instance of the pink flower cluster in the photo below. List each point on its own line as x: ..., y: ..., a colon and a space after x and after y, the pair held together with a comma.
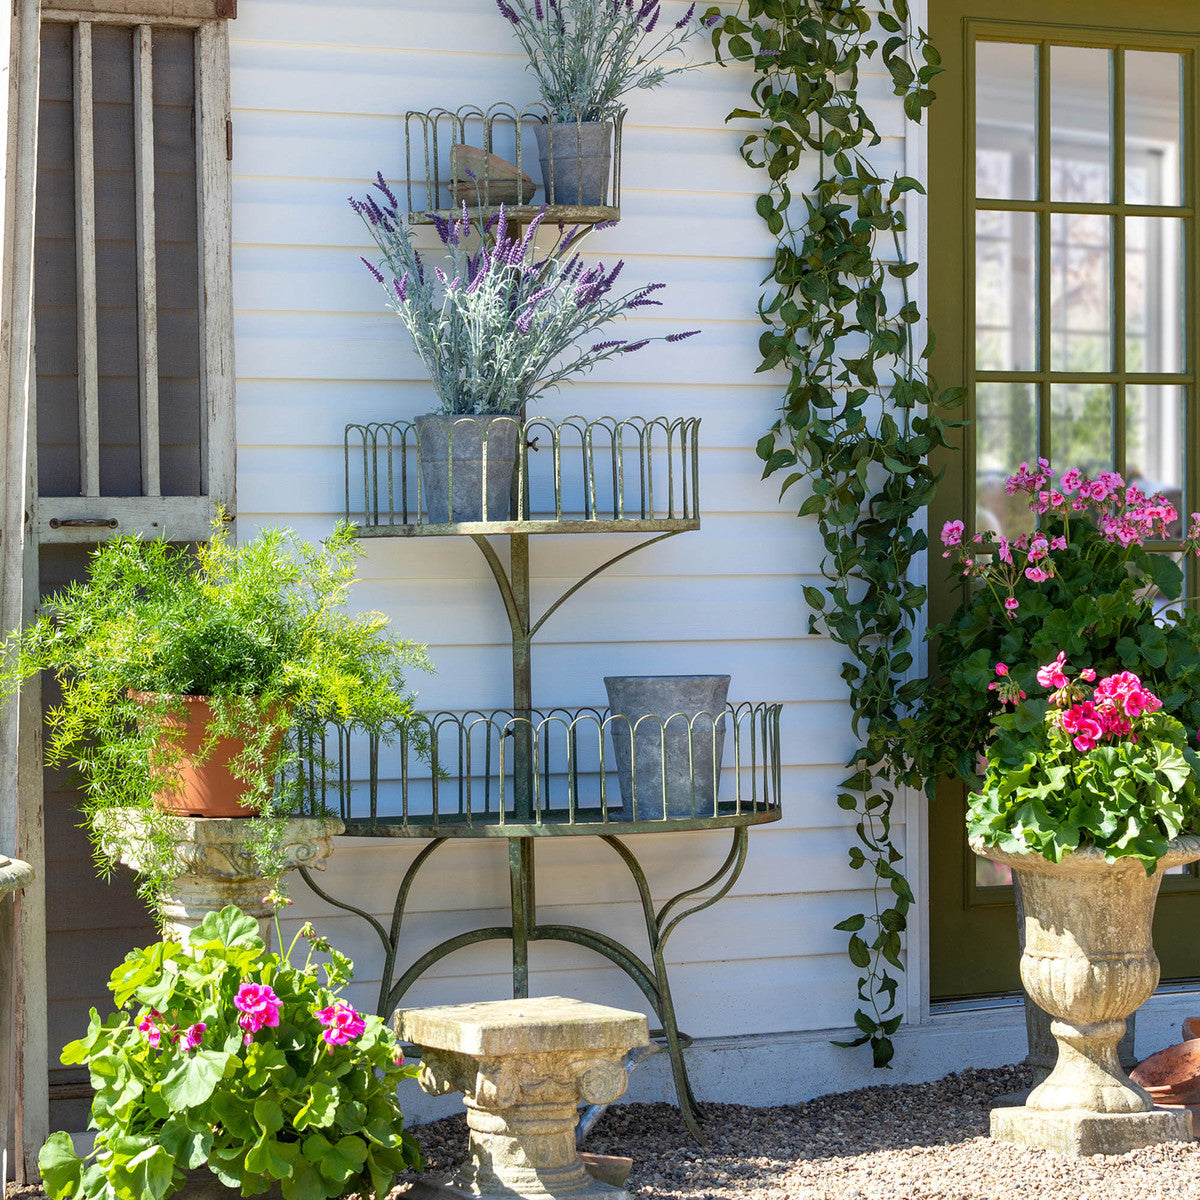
x: 342, y: 1023
x: 259, y: 1006
x: 1117, y: 701
x: 1124, y: 514
x: 152, y: 1026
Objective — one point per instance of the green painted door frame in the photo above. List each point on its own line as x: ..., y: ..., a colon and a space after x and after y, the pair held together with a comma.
x: 973, y: 944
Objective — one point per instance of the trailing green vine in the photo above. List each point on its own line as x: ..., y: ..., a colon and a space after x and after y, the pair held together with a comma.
x: 861, y: 414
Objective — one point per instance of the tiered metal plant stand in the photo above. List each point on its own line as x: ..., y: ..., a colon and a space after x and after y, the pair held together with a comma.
x: 526, y: 774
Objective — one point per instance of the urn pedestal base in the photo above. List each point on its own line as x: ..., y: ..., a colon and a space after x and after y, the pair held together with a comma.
x: 1077, y: 1132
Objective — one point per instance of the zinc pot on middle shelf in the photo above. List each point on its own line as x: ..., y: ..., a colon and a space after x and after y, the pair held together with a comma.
x: 668, y: 733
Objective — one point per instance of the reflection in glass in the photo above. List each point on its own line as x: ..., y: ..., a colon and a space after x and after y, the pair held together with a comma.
x: 1153, y: 121
x: 1081, y: 302
x: 1005, y: 291
x: 1153, y: 285
x: 1081, y: 426
x: 1080, y: 124
x: 1005, y: 120
x: 1154, y: 441
x: 1006, y: 434
x: 991, y: 874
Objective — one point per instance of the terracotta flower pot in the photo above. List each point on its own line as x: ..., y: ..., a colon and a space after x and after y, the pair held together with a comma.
x: 208, y: 788
x: 1089, y: 962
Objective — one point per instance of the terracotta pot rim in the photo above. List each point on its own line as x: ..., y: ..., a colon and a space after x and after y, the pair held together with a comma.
x: 1184, y: 849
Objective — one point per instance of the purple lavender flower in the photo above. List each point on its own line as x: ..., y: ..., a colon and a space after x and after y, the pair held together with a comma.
x: 400, y: 287
x: 644, y: 11
x: 372, y: 268
x: 679, y: 337
x: 442, y: 226
x: 599, y: 347
x: 629, y: 349
x: 537, y: 8
x: 687, y: 16
x: 653, y: 20
x: 505, y: 11
x: 712, y: 21
x: 381, y: 184
x: 604, y: 225
x: 354, y: 204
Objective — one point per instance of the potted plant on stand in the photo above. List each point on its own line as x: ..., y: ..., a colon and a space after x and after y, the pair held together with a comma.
x: 232, y: 1068
x: 1089, y: 796
x: 496, y: 326
x: 1084, y: 581
x: 194, y: 678
x: 586, y: 55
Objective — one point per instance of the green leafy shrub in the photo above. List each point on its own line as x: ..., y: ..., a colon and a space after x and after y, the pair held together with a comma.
x: 226, y: 1056
x: 260, y: 629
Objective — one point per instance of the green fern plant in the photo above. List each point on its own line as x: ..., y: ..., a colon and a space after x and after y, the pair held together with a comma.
x: 260, y: 629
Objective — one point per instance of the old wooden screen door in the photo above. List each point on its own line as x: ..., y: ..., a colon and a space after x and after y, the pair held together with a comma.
x: 130, y: 421
x: 1063, y: 271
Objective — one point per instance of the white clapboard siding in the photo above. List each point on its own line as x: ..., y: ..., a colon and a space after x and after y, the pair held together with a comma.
x: 319, y: 95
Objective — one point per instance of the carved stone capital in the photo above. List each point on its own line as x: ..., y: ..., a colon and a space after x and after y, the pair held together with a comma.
x: 14, y: 874
x: 211, y: 862
x: 523, y: 1066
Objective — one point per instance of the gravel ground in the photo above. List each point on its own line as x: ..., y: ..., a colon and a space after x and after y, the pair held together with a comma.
x: 912, y: 1142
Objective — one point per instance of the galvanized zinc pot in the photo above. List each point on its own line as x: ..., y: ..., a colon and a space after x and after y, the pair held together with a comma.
x: 465, y: 460
x: 668, y: 732
x: 1089, y: 962
x: 582, y: 166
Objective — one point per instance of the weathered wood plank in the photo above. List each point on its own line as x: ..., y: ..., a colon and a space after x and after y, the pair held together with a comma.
x: 182, y: 518
x: 215, y: 205
x: 85, y: 266
x: 137, y: 11
x: 147, y: 270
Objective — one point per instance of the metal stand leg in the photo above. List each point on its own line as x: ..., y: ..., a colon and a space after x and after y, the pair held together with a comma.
x: 651, y: 977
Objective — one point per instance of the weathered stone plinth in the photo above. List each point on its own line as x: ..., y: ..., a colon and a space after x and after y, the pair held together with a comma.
x: 523, y: 1067
x: 211, y: 864
x: 1077, y: 1132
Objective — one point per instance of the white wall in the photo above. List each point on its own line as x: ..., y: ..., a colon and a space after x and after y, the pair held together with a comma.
x: 319, y: 92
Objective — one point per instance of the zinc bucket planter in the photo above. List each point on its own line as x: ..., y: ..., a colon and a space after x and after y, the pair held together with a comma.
x: 668, y: 732
x: 465, y: 459
x: 576, y: 161
x: 1089, y: 962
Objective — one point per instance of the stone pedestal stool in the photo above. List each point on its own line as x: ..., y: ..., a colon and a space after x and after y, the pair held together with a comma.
x: 211, y: 865
x: 14, y: 874
x: 523, y: 1067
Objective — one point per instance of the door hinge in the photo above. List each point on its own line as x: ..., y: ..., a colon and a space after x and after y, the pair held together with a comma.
x: 229, y: 138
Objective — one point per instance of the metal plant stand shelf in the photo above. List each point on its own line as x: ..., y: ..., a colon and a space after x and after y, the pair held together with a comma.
x: 524, y: 775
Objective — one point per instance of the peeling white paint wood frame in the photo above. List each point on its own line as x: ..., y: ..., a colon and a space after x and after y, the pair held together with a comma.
x: 20, y: 810
x: 85, y: 265
x: 147, y: 268
x: 215, y: 253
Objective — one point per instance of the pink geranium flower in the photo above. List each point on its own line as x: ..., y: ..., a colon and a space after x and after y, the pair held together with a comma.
x: 147, y: 1026
x: 258, y: 1005
x: 952, y: 533
x: 193, y: 1035
x: 343, y: 1024
x: 1052, y: 674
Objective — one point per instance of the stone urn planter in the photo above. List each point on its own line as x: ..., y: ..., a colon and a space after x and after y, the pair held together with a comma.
x: 576, y: 161
x: 1089, y: 962
x: 668, y: 732
x: 466, y: 459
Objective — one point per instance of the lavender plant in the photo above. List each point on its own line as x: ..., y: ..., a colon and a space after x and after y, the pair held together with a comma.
x: 499, y: 326
x: 586, y: 54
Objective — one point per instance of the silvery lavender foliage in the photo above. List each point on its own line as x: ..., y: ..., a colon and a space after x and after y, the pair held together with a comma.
x: 586, y: 54
x: 495, y: 325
